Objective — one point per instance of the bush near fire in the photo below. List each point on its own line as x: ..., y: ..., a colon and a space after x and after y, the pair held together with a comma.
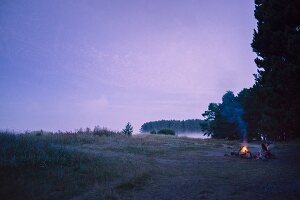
x: 271, y: 107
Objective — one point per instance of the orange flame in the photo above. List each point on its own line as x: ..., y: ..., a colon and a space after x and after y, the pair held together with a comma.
x: 244, y: 149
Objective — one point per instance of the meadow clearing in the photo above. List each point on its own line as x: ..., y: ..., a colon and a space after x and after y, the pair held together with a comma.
x: 88, y: 166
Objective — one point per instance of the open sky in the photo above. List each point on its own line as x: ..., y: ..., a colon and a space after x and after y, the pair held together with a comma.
x: 78, y: 63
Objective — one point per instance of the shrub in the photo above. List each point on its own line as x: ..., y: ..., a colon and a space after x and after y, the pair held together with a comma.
x: 104, y: 132
x: 153, y: 132
x: 166, y: 132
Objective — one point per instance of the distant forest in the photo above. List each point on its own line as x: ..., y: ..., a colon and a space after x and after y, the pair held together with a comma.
x: 190, y: 125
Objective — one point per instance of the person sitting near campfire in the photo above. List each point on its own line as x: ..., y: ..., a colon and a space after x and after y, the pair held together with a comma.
x: 265, y: 152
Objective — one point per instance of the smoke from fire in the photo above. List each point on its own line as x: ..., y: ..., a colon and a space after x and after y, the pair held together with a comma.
x: 234, y: 112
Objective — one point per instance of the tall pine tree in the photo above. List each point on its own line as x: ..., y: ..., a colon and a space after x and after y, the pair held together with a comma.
x: 277, y: 45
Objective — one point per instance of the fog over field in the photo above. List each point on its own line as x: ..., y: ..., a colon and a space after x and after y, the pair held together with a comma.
x: 193, y: 135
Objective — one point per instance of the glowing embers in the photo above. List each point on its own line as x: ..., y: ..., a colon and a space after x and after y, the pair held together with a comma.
x: 244, y: 149
x: 244, y: 152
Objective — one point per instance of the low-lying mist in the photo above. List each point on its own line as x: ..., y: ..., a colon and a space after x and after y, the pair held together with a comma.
x: 193, y: 135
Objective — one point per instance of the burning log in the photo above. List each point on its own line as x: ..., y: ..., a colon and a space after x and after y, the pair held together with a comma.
x: 244, y: 152
x: 244, y: 149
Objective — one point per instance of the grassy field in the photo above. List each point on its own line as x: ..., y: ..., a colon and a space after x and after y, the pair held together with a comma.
x: 87, y: 166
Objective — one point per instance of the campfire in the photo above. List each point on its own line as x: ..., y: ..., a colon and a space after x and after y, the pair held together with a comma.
x: 244, y: 152
x: 244, y: 149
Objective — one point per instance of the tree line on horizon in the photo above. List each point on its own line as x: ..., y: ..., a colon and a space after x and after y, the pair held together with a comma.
x: 270, y: 108
x: 190, y: 125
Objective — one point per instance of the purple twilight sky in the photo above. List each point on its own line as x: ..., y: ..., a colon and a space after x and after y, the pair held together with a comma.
x: 78, y: 63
